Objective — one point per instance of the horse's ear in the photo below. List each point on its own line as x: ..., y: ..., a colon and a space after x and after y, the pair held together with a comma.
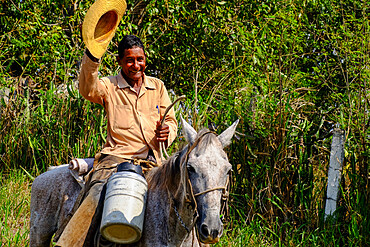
x: 189, y: 132
x: 225, y: 137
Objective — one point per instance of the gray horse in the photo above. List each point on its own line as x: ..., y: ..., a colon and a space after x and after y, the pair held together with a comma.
x: 184, y: 197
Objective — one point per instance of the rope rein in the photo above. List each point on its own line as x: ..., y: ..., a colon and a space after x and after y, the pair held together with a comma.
x: 146, y: 165
x: 162, y: 147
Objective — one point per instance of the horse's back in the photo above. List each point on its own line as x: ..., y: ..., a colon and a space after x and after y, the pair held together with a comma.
x: 53, y: 195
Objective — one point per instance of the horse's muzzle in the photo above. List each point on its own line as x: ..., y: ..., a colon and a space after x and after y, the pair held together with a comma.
x: 209, y: 235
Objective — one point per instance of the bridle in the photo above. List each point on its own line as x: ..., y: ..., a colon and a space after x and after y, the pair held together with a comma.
x: 190, y: 193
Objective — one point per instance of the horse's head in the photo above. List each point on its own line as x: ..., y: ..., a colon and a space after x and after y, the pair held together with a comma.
x: 208, y: 169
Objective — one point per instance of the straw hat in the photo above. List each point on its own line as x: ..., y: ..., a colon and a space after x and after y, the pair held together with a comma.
x: 100, y: 24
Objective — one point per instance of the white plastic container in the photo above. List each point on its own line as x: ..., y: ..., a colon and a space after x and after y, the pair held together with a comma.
x: 124, y: 207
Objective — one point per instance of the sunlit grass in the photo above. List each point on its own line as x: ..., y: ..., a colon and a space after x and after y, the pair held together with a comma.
x: 15, y: 194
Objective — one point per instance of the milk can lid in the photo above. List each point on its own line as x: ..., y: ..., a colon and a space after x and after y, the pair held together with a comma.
x: 128, y: 166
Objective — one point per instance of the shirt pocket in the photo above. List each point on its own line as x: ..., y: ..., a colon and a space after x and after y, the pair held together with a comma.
x: 154, y: 114
x: 123, y: 117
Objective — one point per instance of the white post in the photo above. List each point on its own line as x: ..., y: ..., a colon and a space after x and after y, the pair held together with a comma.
x: 335, y: 171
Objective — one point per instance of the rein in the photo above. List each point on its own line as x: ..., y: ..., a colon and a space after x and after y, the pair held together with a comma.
x: 191, y: 200
x: 162, y: 147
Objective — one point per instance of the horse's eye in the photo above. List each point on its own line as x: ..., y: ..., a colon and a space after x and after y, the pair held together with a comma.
x: 190, y: 168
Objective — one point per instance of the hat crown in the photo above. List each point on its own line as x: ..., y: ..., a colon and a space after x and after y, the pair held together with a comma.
x: 106, y: 25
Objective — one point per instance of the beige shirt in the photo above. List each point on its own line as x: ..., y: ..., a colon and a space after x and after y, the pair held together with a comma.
x: 131, y: 117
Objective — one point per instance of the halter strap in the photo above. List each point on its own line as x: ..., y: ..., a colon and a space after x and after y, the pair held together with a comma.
x: 191, y: 148
x: 223, y: 188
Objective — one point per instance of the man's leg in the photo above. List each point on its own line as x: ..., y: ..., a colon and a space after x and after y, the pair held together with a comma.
x: 76, y: 230
x: 78, y: 227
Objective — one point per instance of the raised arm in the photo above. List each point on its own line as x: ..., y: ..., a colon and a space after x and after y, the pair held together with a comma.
x: 90, y: 86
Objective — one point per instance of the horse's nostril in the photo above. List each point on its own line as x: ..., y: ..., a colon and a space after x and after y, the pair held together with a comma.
x: 204, y: 230
x: 210, y: 234
x: 214, y: 234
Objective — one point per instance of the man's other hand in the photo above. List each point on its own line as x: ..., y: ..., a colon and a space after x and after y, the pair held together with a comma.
x: 162, y: 132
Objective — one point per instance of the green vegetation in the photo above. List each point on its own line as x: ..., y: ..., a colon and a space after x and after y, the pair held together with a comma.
x: 15, y: 192
x: 289, y: 70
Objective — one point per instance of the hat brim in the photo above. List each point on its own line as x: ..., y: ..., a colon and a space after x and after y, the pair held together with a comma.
x: 100, y: 24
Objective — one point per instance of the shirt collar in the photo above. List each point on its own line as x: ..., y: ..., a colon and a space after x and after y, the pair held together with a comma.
x: 122, y: 83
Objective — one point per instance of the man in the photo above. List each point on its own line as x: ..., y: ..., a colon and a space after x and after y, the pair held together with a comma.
x: 134, y: 104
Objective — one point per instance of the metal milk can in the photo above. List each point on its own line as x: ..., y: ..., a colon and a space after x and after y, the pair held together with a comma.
x: 124, y: 205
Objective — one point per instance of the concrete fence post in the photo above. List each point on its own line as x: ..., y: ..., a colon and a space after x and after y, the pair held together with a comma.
x: 335, y: 171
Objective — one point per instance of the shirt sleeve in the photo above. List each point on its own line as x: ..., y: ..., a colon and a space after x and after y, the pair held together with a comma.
x: 91, y: 87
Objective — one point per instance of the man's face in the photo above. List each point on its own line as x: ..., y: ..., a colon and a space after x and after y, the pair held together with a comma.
x: 133, y: 64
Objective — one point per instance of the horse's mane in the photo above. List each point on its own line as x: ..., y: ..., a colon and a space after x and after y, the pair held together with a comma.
x: 172, y: 174
x: 160, y: 177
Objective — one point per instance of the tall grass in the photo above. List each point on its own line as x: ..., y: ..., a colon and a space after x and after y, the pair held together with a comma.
x: 45, y: 128
x: 15, y: 189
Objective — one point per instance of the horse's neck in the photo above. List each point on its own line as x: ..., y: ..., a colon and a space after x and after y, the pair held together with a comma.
x: 181, y: 222
x: 156, y: 219
x: 171, y: 213
x: 181, y: 214
x: 163, y: 226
